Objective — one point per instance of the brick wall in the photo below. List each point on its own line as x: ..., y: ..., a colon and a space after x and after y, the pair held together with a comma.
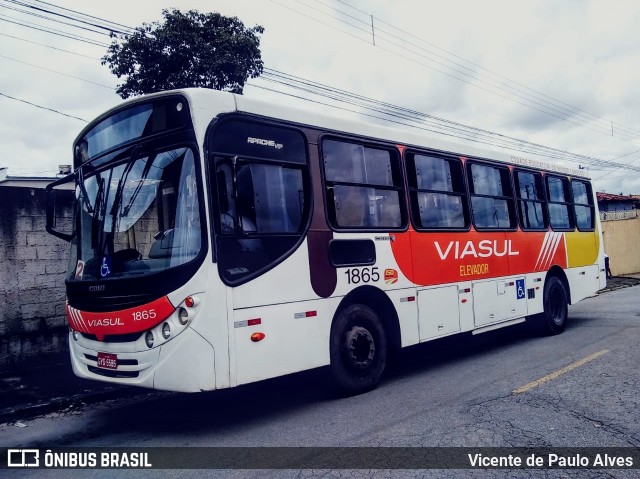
x: 33, y: 264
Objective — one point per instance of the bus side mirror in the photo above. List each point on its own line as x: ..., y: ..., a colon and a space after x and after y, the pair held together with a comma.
x: 60, y: 207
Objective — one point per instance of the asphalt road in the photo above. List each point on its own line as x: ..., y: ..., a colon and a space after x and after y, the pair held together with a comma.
x: 506, y: 388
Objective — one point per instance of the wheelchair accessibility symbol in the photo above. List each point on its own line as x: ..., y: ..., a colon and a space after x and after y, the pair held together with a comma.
x: 105, y: 269
x: 520, y: 289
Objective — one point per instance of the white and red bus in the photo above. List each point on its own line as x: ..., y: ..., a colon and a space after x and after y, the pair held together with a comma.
x: 218, y: 240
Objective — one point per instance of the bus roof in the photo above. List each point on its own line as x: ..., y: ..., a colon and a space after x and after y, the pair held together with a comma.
x: 206, y: 103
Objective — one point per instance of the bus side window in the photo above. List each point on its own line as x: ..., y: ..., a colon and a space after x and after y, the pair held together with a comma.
x: 363, y: 186
x: 583, y: 205
x: 437, y: 192
x: 226, y: 202
x: 559, y: 194
x: 246, y: 203
x: 531, y: 201
x: 350, y: 206
x: 492, y: 201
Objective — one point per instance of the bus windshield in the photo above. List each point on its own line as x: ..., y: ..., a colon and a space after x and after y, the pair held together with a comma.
x: 137, y: 216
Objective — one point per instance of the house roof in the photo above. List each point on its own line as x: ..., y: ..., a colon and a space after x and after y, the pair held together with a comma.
x: 28, y: 181
x: 24, y: 182
x: 601, y: 196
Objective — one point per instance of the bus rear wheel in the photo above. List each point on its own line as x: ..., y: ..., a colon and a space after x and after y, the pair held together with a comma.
x: 554, y: 317
x: 358, y: 349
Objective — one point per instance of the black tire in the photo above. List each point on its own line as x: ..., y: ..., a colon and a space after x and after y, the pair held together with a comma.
x: 358, y: 349
x: 553, y: 319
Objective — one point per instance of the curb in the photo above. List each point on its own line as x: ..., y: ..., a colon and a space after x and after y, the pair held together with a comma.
x: 627, y: 284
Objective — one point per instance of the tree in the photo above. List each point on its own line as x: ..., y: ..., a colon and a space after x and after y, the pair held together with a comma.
x: 189, y: 49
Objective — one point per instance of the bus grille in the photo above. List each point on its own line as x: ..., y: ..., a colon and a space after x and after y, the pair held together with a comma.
x: 113, y: 373
x: 115, y: 338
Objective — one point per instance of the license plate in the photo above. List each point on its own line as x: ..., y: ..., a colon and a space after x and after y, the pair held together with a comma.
x: 107, y: 361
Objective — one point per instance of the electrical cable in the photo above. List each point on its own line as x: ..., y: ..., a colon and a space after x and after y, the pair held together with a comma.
x: 573, y: 115
x: 48, y: 46
x: 43, y: 107
x: 401, y: 115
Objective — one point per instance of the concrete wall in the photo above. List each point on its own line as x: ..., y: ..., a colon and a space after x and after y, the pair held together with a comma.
x: 622, y: 244
x: 33, y: 265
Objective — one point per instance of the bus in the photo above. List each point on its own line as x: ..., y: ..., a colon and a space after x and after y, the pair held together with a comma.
x: 218, y: 240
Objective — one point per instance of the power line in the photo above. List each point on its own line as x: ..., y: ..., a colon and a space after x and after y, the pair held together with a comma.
x: 58, y: 73
x: 86, y: 15
x: 78, y: 17
x: 537, y: 101
x: 44, y: 17
x: 305, y: 15
x: 475, y: 65
x: 351, y: 16
x: 605, y: 123
x: 52, y: 31
x: 43, y: 107
x: 618, y: 157
x: 111, y: 28
x: 47, y: 46
x: 437, y: 125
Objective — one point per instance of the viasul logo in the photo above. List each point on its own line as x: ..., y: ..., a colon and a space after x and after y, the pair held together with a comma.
x: 482, y: 249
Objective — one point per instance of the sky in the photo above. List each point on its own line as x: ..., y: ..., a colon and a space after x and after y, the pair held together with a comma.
x: 563, y: 74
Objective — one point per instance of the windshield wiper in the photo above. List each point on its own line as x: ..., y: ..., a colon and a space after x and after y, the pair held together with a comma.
x: 83, y: 189
x: 97, y: 218
x: 117, y: 199
x: 143, y: 176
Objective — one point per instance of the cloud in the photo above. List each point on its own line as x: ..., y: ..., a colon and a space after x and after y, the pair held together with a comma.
x: 458, y: 60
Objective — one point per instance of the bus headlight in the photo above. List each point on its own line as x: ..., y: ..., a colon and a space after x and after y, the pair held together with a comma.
x: 166, y: 331
x: 183, y: 316
x: 172, y: 326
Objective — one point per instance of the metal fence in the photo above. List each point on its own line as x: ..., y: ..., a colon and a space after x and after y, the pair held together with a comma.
x: 618, y: 215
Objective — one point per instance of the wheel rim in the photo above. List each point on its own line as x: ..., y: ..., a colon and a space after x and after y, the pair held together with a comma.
x: 360, y: 348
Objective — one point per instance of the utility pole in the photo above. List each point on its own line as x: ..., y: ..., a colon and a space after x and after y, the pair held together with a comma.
x: 373, y: 33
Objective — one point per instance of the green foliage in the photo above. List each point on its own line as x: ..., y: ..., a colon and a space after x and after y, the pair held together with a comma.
x: 189, y: 49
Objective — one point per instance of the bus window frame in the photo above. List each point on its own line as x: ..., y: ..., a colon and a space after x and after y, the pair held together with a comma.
x: 465, y: 194
x: 116, y: 148
x: 591, y: 205
x: 249, y: 160
x: 326, y: 184
x: 544, y: 201
x: 493, y: 164
x: 571, y: 215
x: 213, y: 158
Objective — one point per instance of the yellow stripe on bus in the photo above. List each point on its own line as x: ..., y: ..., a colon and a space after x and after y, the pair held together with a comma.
x: 582, y: 248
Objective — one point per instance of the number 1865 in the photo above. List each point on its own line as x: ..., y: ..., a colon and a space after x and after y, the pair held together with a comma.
x: 362, y: 275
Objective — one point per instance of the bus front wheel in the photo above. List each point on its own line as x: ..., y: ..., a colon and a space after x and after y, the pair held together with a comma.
x: 358, y: 349
x: 554, y: 317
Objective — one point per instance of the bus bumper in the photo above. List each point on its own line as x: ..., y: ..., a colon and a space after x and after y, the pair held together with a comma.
x: 184, y: 364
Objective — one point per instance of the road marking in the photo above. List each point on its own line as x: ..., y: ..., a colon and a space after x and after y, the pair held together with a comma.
x: 559, y: 372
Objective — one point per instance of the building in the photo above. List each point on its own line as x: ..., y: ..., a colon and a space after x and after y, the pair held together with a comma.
x: 620, y: 231
x: 617, y: 206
